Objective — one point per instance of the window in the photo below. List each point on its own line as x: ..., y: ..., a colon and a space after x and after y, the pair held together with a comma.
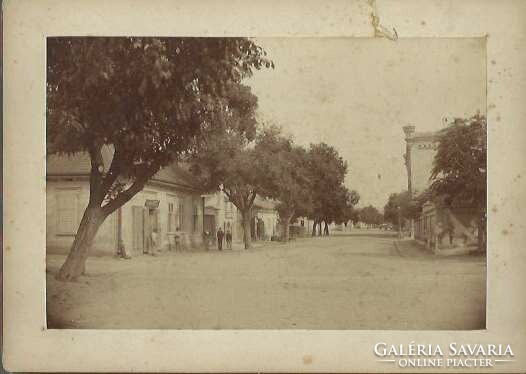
x: 67, y: 211
x: 180, y: 213
x: 172, y: 224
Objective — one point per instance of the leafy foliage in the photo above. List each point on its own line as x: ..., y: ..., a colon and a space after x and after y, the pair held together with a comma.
x: 286, y: 174
x: 409, y: 208
x: 370, y: 215
x: 327, y: 171
x: 459, y: 169
x: 150, y: 99
x: 349, y: 211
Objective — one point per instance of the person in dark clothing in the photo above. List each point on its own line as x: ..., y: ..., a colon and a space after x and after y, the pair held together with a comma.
x: 228, y: 238
x: 220, y: 235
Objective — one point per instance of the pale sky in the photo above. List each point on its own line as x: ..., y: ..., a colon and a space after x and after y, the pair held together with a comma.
x: 356, y: 94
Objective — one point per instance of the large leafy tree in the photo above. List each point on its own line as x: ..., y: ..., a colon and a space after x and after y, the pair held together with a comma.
x: 459, y: 171
x: 148, y: 99
x: 370, y: 215
x: 348, y: 212
x: 285, y: 176
x: 327, y: 171
x: 228, y: 162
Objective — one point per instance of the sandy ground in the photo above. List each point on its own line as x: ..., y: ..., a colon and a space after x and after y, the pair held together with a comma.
x: 358, y: 281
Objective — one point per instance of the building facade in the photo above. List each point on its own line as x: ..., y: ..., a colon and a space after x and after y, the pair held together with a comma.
x: 221, y: 212
x: 420, y: 152
x: 169, y: 206
x: 265, y: 220
x: 438, y: 226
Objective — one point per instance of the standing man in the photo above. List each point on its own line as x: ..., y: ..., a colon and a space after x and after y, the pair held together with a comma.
x: 228, y: 238
x: 220, y: 235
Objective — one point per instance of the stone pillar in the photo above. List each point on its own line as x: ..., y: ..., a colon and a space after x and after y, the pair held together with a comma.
x: 409, y: 131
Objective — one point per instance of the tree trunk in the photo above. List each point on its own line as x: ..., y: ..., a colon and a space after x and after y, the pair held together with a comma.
x: 314, y: 228
x: 245, y: 219
x: 286, y: 228
x: 319, y: 228
x: 326, y: 230
x: 75, y: 263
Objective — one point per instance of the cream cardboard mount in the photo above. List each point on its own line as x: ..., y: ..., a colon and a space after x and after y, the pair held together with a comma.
x: 27, y: 343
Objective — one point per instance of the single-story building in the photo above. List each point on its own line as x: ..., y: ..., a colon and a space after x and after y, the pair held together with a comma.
x: 169, y: 203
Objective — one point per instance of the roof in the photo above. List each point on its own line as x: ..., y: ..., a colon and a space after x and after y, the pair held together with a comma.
x: 262, y: 203
x: 79, y: 164
x: 423, y: 136
x: 176, y: 174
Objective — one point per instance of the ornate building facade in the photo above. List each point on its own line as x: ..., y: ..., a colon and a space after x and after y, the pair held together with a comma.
x: 443, y: 229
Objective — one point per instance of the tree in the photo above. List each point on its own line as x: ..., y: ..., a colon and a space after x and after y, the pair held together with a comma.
x: 230, y: 165
x: 285, y: 176
x: 371, y: 215
x: 149, y: 99
x: 327, y: 171
x: 459, y: 171
x: 409, y: 208
x: 349, y: 210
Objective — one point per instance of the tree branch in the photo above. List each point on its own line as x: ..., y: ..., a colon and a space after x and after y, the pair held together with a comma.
x: 126, y: 195
x: 113, y: 173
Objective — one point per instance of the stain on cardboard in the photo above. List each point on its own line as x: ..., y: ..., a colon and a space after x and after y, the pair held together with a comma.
x: 307, y: 359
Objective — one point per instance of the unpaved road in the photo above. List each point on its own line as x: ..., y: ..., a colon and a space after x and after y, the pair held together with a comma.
x: 354, y: 281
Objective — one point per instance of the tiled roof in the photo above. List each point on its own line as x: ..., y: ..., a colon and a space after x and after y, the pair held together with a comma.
x: 79, y: 165
x: 177, y: 175
x: 76, y: 164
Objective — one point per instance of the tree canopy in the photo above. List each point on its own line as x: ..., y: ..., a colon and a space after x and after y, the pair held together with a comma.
x: 459, y: 168
x: 327, y: 170
x: 286, y: 176
x: 370, y: 215
x: 409, y: 207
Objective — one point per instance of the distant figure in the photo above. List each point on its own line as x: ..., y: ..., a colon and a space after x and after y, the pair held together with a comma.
x: 220, y: 235
x: 153, y: 242
x: 228, y: 238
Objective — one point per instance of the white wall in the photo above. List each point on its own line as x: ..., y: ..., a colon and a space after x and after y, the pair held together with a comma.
x: 57, y: 241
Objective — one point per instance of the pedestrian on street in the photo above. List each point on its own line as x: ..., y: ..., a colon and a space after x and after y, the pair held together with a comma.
x: 228, y: 238
x: 220, y: 235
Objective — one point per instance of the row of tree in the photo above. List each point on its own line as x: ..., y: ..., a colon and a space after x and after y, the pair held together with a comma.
x: 368, y: 214
x: 303, y: 182
x: 155, y: 101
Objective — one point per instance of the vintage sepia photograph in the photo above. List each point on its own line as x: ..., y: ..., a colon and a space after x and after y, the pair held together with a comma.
x: 315, y: 183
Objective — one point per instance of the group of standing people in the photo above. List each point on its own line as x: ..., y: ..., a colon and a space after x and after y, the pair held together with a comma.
x: 228, y: 238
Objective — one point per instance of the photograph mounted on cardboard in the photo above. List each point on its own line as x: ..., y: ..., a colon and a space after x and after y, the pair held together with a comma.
x: 266, y: 183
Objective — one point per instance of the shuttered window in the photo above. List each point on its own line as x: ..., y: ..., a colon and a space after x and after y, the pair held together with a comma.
x: 68, y: 211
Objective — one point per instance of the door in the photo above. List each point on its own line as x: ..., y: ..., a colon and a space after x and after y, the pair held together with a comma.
x: 138, y: 229
x: 210, y: 223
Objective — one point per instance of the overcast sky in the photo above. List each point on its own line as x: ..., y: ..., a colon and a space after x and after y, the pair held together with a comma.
x: 356, y: 94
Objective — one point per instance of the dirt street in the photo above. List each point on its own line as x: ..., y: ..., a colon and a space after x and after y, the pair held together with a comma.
x: 357, y: 281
